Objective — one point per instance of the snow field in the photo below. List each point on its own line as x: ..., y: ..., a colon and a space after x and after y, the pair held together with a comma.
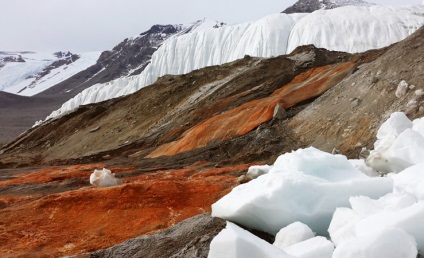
x: 18, y: 78
x: 352, y: 213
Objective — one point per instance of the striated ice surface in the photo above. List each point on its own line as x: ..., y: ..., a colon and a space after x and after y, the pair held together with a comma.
x: 350, y: 29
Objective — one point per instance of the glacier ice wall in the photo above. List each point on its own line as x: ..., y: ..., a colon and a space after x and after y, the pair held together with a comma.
x: 350, y: 29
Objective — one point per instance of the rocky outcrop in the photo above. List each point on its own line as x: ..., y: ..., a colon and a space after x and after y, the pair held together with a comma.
x: 63, y: 59
x: 13, y: 59
x: 348, y: 115
x: 190, y: 238
x: 309, y: 6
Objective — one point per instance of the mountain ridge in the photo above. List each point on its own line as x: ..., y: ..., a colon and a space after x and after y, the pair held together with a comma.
x: 309, y: 6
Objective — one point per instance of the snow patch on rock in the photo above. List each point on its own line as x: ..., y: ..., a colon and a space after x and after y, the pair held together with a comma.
x: 104, y: 178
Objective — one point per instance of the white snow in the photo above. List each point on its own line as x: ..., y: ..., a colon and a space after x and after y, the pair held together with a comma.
x: 342, y: 226
x: 403, y: 209
x: 387, y: 243
x: 255, y: 171
x: 365, y: 206
x: 401, y: 89
x: 306, y: 185
x: 312, y: 187
x: 18, y: 78
x: 316, y: 247
x: 408, y: 219
x: 235, y: 242
x: 350, y: 29
x: 360, y: 165
x: 410, y: 181
x: 104, y: 178
x: 400, y: 144
x: 293, y: 234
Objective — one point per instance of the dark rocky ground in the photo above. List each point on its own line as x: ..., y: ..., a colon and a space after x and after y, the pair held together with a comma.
x: 181, y: 240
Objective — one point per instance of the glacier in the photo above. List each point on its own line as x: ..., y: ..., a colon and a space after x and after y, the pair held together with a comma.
x: 351, y: 29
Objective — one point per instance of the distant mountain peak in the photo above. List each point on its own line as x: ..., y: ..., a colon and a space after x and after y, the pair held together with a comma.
x: 309, y: 6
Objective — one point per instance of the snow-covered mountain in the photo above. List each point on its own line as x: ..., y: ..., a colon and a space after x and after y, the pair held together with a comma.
x: 132, y: 55
x: 350, y: 29
x: 309, y: 6
x: 29, y: 73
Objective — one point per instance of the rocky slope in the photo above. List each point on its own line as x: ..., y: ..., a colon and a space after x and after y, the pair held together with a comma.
x: 129, y: 57
x: 309, y: 6
x: 185, y: 108
x: 180, y: 144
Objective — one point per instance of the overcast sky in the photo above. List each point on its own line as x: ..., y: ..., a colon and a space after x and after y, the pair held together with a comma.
x: 96, y: 25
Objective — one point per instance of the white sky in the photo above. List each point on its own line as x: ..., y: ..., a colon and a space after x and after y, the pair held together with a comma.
x: 96, y: 25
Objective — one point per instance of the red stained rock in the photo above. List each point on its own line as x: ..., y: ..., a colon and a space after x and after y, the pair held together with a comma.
x: 59, y: 174
x: 13, y: 200
x: 245, y: 118
x: 92, y: 218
